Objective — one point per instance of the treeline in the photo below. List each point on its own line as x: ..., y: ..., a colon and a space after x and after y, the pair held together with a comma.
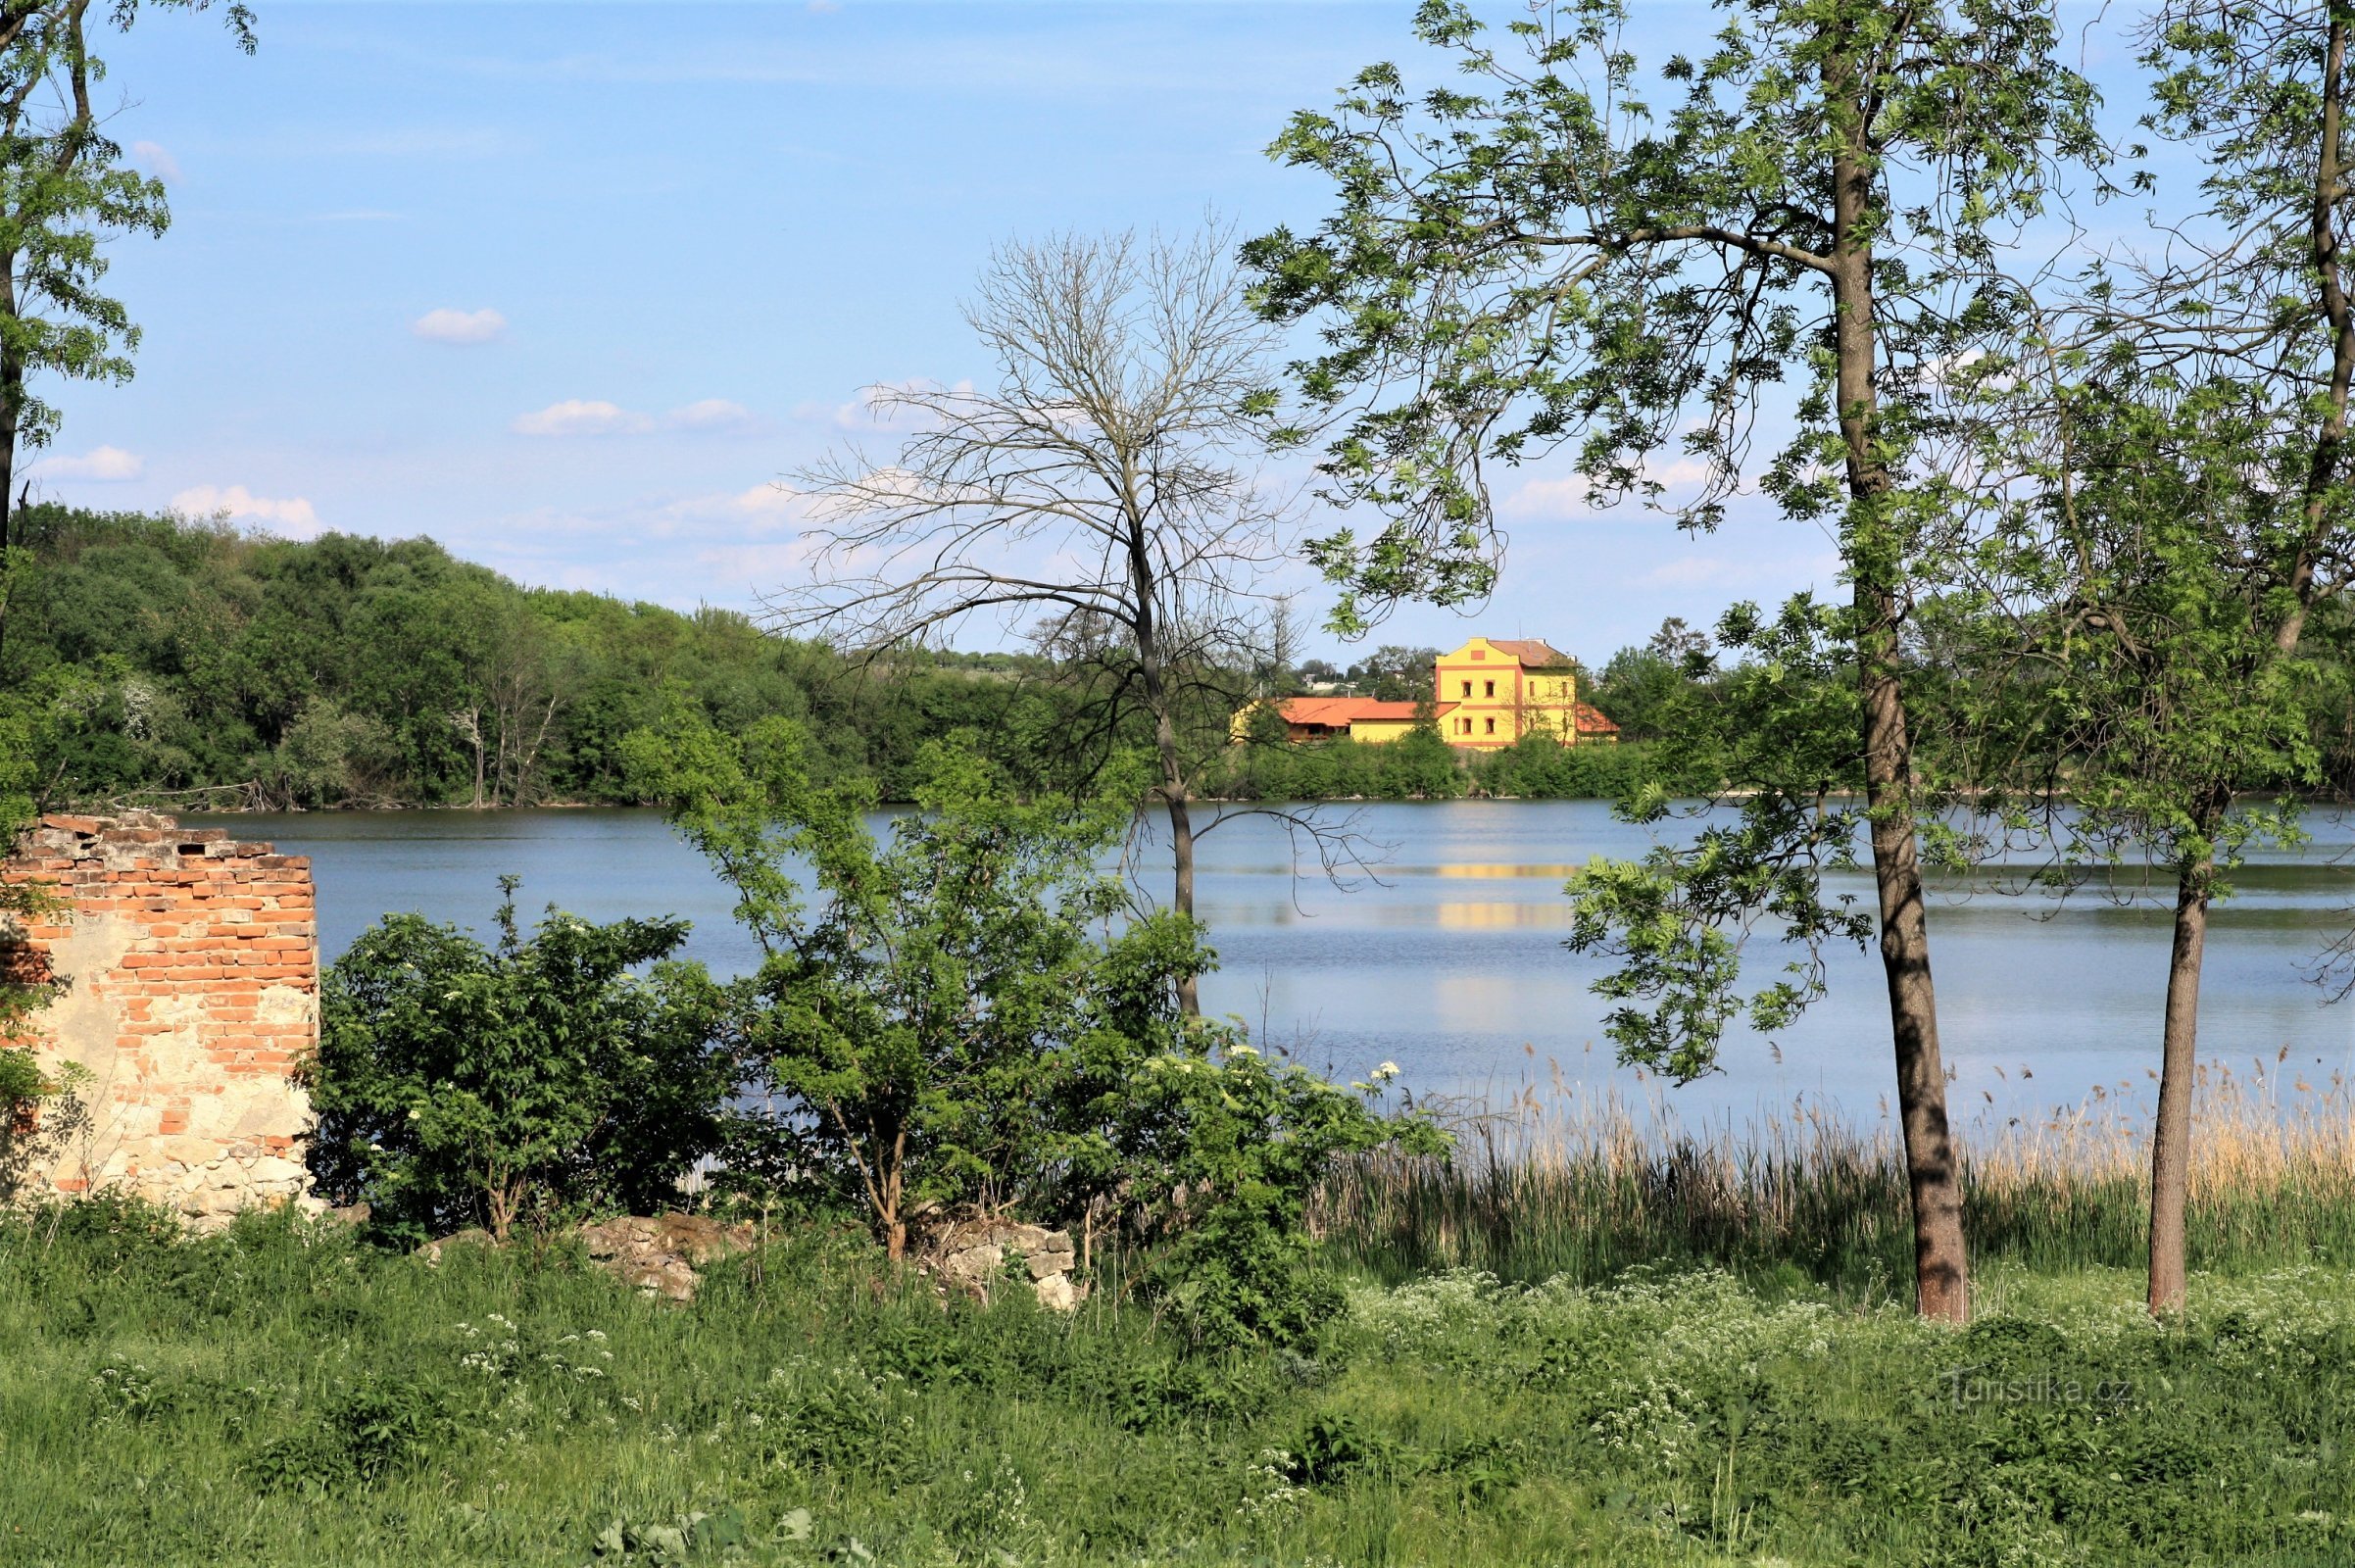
x: 184, y: 660
x: 177, y: 657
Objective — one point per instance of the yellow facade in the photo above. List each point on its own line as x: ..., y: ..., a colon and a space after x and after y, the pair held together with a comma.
x: 1377, y: 731
x: 1501, y: 690
x: 1487, y: 694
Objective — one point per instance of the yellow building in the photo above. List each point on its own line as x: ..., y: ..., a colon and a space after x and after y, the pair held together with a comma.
x: 1497, y: 690
x: 1487, y: 694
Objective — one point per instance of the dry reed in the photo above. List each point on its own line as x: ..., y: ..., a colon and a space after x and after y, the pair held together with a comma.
x: 1566, y: 1181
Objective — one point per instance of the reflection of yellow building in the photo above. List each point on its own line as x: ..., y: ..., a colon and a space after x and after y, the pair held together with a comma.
x: 1487, y: 694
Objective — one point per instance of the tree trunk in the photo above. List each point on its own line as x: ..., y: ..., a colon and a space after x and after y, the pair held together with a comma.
x: 2171, y: 1135
x: 1153, y: 677
x: 1181, y: 837
x: 1875, y: 557
x: 11, y: 402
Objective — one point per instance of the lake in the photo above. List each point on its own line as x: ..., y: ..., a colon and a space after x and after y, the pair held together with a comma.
x: 1449, y: 961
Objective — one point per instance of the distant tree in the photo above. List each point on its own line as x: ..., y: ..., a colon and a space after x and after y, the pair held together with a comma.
x: 1107, y: 480
x: 1399, y: 674
x: 1677, y: 642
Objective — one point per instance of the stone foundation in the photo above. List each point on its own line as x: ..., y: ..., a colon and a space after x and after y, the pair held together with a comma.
x: 192, y: 969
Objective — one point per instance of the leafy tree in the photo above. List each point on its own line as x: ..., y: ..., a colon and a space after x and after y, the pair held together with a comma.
x: 1393, y: 673
x: 535, y: 1080
x: 1544, y: 265
x: 953, y: 1019
x: 64, y: 191
x: 944, y: 993
x: 2153, y: 558
x: 2186, y: 506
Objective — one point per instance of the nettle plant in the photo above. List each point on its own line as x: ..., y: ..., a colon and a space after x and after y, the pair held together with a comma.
x: 963, y: 1014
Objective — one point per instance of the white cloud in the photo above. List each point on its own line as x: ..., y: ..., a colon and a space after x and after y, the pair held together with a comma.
x: 581, y: 417
x: 1546, y: 499
x: 1783, y: 573
x: 761, y: 509
x: 710, y: 414
x: 103, y: 463
x: 459, y: 327
x: 166, y: 166
x: 871, y: 407
x: 293, y: 514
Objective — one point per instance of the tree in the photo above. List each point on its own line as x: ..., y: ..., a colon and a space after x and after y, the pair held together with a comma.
x: 1545, y: 267
x: 1103, y: 483
x: 1399, y: 674
x: 533, y: 1081
x: 64, y: 190
x: 2188, y: 501
x: 954, y: 1019
x: 2152, y: 562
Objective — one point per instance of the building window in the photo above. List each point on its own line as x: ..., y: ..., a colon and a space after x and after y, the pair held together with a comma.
x: 1463, y: 726
x: 1491, y: 726
x: 1491, y: 688
x: 1467, y: 688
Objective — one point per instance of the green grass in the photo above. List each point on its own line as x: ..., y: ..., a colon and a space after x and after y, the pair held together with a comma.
x: 280, y: 1395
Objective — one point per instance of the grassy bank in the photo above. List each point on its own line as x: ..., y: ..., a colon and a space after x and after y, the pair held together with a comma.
x: 1713, y: 1371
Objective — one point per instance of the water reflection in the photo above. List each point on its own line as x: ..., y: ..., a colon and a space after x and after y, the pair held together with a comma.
x: 1473, y: 993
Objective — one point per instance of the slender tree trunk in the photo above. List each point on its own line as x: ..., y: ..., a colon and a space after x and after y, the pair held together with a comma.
x: 2171, y: 1135
x: 12, y: 403
x: 1155, y: 678
x: 1942, y: 1261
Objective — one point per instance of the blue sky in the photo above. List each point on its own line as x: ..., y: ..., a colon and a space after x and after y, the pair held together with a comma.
x: 568, y: 287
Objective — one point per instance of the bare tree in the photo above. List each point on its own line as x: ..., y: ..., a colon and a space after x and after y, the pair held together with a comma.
x: 1104, y: 497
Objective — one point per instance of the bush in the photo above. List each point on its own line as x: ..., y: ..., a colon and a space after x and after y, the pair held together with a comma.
x: 461, y: 1085
x: 959, y: 1019
x: 1537, y: 767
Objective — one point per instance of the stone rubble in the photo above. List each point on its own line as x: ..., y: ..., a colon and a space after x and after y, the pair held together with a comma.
x: 661, y: 1254
x: 972, y: 1256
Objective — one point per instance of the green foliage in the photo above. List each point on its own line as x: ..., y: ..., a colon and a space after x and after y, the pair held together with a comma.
x: 1779, y: 728
x: 158, y: 654
x: 540, y: 1079
x: 64, y: 193
x: 960, y: 1018
x: 288, y: 1394
x: 1537, y: 767
x: 1232, y: 1148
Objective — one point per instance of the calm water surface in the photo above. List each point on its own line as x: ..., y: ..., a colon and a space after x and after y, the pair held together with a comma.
x: 1451, y: 964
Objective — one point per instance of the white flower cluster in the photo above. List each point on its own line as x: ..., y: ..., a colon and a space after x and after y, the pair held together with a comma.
x: 1267, y: 1486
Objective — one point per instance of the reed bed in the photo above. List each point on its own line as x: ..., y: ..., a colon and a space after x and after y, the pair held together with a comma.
x: 1555, y: 1180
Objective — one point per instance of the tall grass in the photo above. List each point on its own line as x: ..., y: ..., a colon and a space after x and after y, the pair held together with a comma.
x: 1561, y: 1182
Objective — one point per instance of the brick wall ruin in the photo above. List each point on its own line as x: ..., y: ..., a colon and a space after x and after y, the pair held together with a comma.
x: 192, y: 969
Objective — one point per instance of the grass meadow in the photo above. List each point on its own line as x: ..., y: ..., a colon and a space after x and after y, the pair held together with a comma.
x: 1581, y: 1341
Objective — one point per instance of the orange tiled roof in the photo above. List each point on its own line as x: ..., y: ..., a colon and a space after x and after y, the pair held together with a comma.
x: 1534, y: 653
x: 1591, y: 722
x: 1337, y: 711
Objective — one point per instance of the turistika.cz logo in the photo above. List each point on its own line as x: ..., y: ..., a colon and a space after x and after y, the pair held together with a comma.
x: 1970, y: 1386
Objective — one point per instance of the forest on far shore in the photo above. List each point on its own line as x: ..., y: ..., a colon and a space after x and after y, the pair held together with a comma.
x: 178, y: 662
x: 184, y: 660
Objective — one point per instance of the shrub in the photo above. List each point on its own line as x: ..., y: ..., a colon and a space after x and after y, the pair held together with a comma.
x: 463, y: 1085
x: 960, y: 1018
